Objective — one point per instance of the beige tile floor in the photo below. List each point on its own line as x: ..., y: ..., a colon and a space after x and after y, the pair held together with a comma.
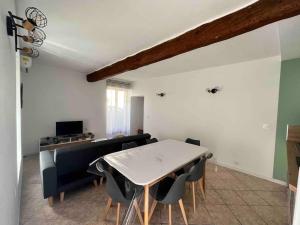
x: 233, y: 198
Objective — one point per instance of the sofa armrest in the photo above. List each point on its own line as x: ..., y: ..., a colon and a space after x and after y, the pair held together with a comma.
x: 48, y: 174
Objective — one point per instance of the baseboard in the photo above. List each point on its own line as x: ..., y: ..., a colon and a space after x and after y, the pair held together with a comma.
x: 283, y: 183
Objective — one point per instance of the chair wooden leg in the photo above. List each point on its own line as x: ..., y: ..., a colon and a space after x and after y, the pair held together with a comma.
x: 203, y: 179
x: 108, y: 205
x: 183, y: 211
x: 50, y: 201
x: 138, y: 211
x: 62, y: 196
x: 202, y: 188
x: 101, y: 181
x: 194, y: 196
x: 95, y: 183
x: 170, y: 214
x: 118, y: 213
x: 152, y: 209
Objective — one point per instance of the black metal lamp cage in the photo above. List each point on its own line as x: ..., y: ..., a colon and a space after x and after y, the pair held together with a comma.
x: 35, y: 20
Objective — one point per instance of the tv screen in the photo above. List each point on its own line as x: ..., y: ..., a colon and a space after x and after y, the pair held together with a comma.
x: 69, y: 127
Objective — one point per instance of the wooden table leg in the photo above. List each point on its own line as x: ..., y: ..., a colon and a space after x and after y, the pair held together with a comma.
x: 146, y: 205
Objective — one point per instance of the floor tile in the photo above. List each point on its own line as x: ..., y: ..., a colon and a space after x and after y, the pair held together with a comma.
x: 218, y: 184
x: 246, y: 216
x: 251, y: 198
x: 272, y: 215
x: 212, y: 197
x: 231, y: 197
x: 221, y: 215
x: 275, y: 198
x: 201, y: 216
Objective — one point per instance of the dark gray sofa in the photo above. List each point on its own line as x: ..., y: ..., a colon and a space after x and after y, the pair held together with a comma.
x: 65, y: 169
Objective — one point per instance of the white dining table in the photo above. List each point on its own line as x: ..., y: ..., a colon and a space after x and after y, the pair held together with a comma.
x: 148, y: 164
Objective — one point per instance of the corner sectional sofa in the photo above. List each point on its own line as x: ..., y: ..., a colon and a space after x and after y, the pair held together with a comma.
x: 66, y: 168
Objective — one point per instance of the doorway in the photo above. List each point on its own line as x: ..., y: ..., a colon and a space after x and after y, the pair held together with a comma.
x: 137, y: 115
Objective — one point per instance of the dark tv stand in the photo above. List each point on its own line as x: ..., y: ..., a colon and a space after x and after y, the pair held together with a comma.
x: 52, y: 143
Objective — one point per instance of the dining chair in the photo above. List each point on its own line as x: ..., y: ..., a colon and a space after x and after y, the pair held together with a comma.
x: 129, y: 145
x: 151, y: 141
x: 169, y: 191
x: 117, y: 194
x: 192, y: 141
x: 196, y: 174
x: 207, y: 156
x: 187, y: 167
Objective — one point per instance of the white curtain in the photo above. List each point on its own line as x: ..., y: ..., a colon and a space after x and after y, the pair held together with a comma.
x: 118, y: 111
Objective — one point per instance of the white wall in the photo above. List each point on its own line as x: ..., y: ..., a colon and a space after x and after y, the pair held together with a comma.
x: 229, y: 123
x: 54, y: 94
x: 136, y: 114
x: 9, y: 166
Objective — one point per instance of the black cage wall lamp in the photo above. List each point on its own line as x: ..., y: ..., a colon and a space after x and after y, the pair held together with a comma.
x: 35, y: 20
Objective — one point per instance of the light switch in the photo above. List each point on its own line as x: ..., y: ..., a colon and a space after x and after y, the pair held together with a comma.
x: 266, y: 126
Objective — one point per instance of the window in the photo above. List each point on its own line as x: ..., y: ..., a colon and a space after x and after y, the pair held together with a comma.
x: 118, y: 111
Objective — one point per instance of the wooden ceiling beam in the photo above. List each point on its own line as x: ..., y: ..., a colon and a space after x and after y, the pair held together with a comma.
x: 254, y: 16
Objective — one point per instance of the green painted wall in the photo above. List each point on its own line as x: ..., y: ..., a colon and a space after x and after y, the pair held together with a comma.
x: 288, y: 113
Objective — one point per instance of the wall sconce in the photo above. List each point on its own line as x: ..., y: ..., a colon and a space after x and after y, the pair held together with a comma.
x: 32, y: 52
x: 35, y: 37
x: 213, y: 90
x: 161, y: 94
x: 35, y: 20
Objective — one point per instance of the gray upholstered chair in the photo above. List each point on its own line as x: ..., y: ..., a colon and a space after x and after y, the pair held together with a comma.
x: 151, y: 141
x: 187, y: 167
x: 192, y: 141
x: 169, y: 191
x: 116, y: 189
x: 196, y: 174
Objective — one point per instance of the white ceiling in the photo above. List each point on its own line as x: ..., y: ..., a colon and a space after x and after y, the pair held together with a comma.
x: 88, y: 35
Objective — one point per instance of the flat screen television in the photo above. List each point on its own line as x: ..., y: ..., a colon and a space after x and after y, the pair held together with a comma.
x: 69, y: 128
